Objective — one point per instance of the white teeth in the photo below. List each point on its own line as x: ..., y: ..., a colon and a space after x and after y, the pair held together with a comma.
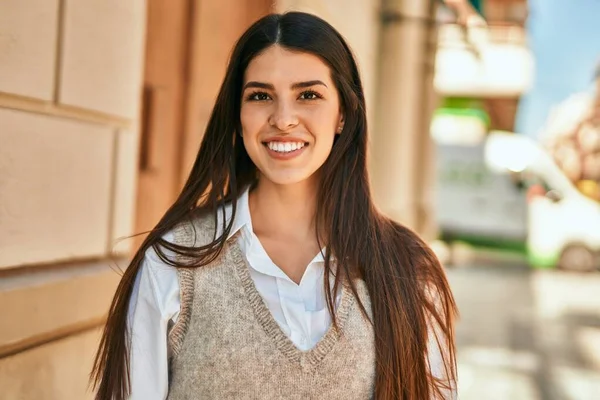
x: 286, y: 147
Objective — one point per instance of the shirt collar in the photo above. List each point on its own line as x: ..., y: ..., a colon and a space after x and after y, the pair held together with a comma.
x: 243, y: 220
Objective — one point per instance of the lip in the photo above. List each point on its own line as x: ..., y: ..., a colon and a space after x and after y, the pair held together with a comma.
x: 283, y: 139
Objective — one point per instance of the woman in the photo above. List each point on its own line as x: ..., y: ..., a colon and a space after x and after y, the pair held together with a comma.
x: 273, y: 276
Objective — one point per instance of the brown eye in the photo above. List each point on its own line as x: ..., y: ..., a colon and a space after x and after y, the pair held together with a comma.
x: 309, y: 95
x: 258, y: 96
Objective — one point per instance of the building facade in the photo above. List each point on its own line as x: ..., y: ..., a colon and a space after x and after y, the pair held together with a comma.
x: 102, y: 108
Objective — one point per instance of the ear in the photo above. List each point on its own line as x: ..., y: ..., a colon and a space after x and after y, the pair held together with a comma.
x: 340, y: 125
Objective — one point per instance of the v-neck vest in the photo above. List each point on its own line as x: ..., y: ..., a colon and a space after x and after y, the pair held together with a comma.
x: 227, y: 345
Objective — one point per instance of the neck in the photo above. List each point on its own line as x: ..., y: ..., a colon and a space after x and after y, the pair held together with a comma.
x: 287, y: 210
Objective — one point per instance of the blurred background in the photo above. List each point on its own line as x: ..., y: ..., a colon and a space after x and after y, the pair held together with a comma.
x: 485, y: 138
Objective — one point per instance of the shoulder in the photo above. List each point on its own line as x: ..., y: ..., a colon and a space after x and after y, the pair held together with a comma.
x: 427, y: 271
x: 199, y: 228
x: 157, y: 269
x: 413, y: 246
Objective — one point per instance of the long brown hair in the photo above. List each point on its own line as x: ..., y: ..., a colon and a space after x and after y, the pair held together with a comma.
x: 409, y: 292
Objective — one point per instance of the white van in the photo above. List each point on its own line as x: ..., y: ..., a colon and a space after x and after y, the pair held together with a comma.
x: 563, y: 225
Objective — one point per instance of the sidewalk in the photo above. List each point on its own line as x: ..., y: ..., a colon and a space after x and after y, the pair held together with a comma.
x: 525, y: 334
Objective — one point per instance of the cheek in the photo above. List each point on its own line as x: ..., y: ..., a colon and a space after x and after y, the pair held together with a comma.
x: 252, y: 120
x: 323, y: 120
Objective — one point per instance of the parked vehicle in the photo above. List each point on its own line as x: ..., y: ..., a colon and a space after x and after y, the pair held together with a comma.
x: 563, y: 224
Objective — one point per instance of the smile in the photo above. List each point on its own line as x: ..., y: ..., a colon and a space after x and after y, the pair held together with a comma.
x: 285, y: 150
x: 285, y: 147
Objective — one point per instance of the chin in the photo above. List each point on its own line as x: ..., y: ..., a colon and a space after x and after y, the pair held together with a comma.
x: 285, y: 179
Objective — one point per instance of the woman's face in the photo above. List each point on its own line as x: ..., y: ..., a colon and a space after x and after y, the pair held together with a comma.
x: 290, y: 114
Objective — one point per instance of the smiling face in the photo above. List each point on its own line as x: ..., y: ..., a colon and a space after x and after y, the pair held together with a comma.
x: 290, y: 114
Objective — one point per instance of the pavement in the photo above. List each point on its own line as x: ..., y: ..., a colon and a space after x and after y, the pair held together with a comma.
x: 525, y: 334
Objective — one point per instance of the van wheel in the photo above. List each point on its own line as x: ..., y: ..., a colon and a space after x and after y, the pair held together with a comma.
x: 578, y: 258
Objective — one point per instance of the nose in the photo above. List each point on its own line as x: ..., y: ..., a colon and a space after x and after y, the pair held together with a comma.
x: 284, y: 116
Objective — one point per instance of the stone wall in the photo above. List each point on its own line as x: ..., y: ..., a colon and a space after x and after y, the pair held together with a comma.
x: 70, y: 81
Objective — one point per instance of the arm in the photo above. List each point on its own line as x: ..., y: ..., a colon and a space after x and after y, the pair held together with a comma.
x: 437, y: 353
x: 440, y: 349
x: 154, y: 305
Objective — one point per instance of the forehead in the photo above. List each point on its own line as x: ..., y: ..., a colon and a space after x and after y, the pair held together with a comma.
x: 278, y: 65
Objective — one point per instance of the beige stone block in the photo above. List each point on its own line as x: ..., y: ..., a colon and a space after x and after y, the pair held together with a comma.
x: 56, y: 371
x: 55, y: 185
x: 102, y: 55
x: 40, y: 305
x: 28, y: 35
x: 125, y: 192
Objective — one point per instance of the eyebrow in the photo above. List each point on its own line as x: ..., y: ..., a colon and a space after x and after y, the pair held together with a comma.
x: 297, y: 85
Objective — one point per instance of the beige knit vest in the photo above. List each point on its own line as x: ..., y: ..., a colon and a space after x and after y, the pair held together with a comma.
x: 227, y: 345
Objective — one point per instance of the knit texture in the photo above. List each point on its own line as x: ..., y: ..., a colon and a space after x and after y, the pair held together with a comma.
x: 227, y: 345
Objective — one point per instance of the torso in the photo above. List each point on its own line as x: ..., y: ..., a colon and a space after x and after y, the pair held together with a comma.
x: 291, y: 255
x: 227, y: 344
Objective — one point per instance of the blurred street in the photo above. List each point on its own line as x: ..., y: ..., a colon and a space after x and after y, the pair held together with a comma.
x: 526, y: 334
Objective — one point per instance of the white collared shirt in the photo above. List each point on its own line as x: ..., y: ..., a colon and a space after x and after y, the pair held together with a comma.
x: 299, y: 309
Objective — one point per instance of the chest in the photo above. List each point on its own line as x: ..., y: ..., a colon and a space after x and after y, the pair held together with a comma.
x: 233, y: 348
x: 291, y: 256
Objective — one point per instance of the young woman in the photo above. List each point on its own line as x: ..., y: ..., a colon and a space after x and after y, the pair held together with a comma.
x: 273, y: 276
